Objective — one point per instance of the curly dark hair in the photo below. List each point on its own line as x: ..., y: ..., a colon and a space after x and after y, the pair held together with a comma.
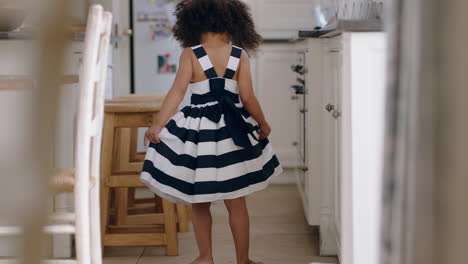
x: 195, y: 17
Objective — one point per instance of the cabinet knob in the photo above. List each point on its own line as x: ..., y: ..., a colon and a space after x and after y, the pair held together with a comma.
x: 298, y: 89
x: 336, y: 114
x: 298, y: 68
x: 127, y: 32
x: 295, y: 143
x: 294, y: 97
x: 329, y: 107
x: 304, y: 110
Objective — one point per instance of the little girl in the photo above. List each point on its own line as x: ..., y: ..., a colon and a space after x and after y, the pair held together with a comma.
x: 215, y: 149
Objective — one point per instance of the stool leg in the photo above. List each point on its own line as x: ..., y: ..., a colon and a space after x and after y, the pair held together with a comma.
x: 182, y: 218
x: 189, y: 212
x: 122, y: 149
x: 133, y: 144
x: 105, y: 206
x: 131, y: 197
x: 121, y: 205
x: 106, y: 166
x: 170, y: 228
x: 158, y: 204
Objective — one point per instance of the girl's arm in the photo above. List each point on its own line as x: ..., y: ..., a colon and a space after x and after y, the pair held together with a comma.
x: 173, y: 97
x: 248, y: 98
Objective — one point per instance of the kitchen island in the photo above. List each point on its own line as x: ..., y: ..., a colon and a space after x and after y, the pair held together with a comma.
x: 340, y: 184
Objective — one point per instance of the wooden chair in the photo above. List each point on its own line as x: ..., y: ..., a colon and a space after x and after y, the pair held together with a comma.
x: 128, y: 159
x: 84, y: 223
x: 157, y: 228
x: 81, y: 180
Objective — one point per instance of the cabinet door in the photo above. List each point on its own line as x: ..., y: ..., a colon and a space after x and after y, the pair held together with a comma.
x: 301, y: 109
x: 273, y: 81
x: 364, y: 61
x: 331, y: 148
x: 335, y: 135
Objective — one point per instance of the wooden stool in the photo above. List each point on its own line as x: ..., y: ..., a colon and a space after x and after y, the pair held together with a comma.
x: 131, y: 230
x: 128, y: 159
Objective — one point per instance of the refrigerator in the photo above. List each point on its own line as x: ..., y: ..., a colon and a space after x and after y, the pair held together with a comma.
x: 155, y: 52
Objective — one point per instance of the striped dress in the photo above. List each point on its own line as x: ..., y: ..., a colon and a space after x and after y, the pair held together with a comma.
x: 210, y: 150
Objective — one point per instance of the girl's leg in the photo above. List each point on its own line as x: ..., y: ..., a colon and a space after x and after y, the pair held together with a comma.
x: 239, y: 222
x: 201, y: 219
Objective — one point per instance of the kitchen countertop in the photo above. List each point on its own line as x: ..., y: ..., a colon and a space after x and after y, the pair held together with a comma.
x: 15, y: 35
x: 345, y: 26
x: 22, y: 35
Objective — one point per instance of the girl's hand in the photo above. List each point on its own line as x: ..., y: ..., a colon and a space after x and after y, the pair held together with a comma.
x: 265, y: 130
x: 152, y: 134
x: 173, y: 97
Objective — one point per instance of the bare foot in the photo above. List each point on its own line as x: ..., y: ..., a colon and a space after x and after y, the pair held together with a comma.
x: 203, y: 261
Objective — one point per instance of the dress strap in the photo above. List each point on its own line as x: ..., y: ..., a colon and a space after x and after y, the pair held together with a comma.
x: 233, y: 62
x: 204, y: 61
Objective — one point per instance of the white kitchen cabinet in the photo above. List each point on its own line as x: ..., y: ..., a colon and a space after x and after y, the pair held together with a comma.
x: 273, y: 79
x: 363, y: 122
x: 320, y: 185
x: 331, y: 147
x: 309, y: 174
x: 345, y: 84
x: 280, y: 19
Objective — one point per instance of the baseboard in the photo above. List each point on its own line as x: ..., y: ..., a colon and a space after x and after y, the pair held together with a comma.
x: 328, y: 237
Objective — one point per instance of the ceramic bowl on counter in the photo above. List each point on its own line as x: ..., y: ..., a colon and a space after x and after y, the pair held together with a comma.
x: 11, y: 18
x: 325, y: 16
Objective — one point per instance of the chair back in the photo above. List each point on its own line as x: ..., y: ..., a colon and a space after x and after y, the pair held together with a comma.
x: 90, y: 115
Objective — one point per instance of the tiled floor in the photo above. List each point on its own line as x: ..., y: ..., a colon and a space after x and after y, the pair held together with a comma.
x: 279, y: 235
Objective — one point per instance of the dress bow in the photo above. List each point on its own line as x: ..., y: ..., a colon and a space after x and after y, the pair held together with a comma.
x: 235, y: 123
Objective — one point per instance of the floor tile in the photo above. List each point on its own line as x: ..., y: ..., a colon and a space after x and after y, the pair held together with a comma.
x: 120, y: 260
x: 279, y: 233
x: 123, y: 251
